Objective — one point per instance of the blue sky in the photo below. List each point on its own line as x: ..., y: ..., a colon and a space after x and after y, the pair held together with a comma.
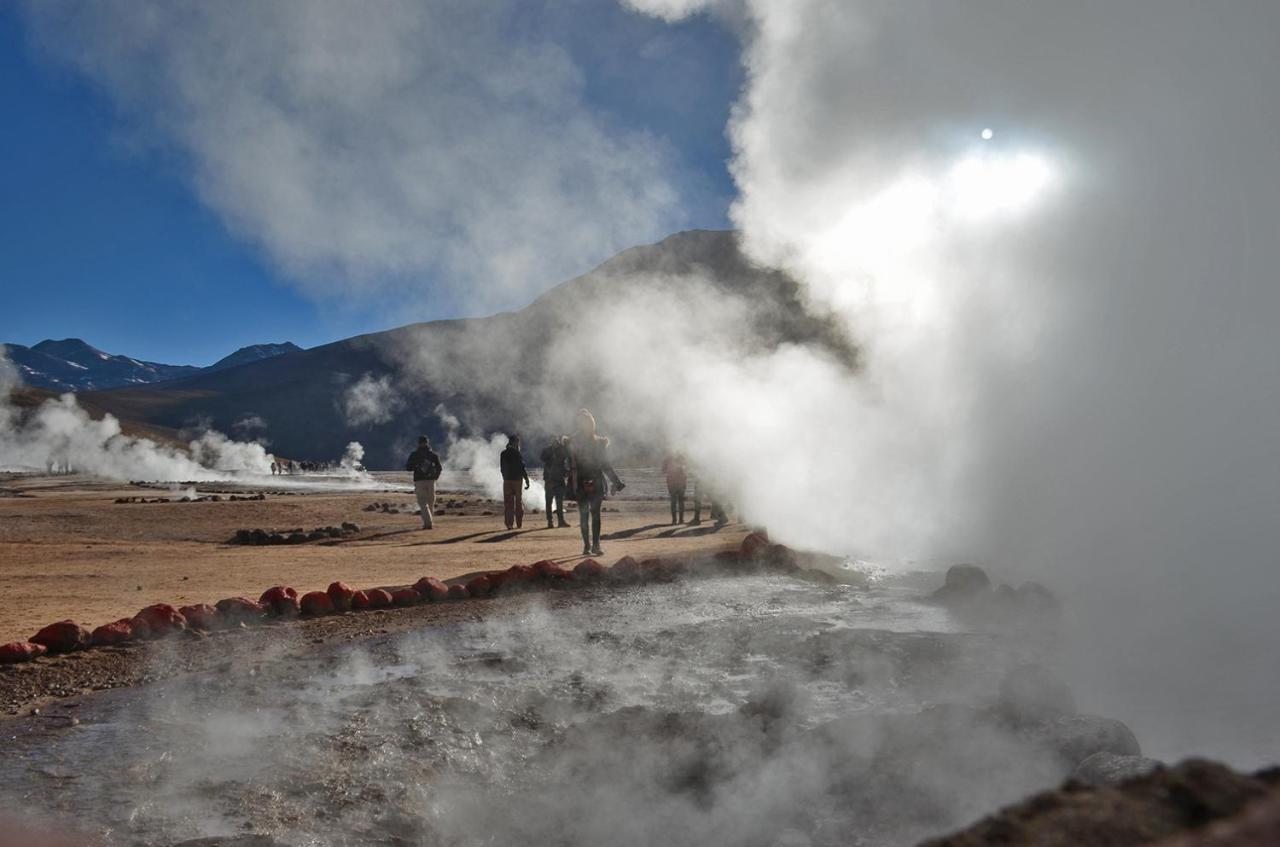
x: 105, y: 238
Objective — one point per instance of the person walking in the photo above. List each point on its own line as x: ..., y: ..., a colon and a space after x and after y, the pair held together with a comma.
x: 677, y: 481
x: 426, y: 468
x: 513, y: 470
x: 589, y: 469
x: 555, y: 473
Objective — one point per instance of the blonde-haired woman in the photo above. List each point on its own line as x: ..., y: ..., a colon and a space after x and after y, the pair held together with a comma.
x: 590, y: 473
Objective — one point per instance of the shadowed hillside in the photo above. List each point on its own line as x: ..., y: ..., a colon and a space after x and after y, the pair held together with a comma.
x: 504, y: 371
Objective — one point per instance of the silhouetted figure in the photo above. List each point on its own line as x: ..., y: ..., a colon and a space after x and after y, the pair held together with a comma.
x: 275, y: 469
x: 677, y: 481
x: 589, y: 470
x: 555, y: 477
x: 513, y: 471
x: 426, y: 468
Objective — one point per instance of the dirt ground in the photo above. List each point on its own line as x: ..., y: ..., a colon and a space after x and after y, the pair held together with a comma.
x: 67, y: 550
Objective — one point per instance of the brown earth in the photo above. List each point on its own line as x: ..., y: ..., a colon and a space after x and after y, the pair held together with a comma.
x: 67, y: 550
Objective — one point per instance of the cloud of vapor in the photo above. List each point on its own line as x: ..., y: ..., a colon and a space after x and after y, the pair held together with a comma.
x: 1086, y: 342
x: 371, y: 401
x: 476, y: 458
x: 57, y: 434
x: 364, y: 145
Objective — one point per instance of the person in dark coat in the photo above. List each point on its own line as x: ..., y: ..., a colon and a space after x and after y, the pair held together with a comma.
x: 677, y: 482
x: 513, y: 470
x: 426, y: 468
x: 555, y: 477
x: 590, y: 470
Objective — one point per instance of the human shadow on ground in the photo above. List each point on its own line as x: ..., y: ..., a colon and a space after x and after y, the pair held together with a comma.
x: 507, y: 536
x: 690, y: 533
x: 627, y: 533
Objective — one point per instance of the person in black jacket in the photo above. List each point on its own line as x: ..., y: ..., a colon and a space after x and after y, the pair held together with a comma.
x: 555, y: 474
x: 589, y: 469
x: 513, y: 470
x: 426, y: 468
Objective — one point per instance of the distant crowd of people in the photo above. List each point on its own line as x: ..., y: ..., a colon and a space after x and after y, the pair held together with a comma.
x: 288, y: 466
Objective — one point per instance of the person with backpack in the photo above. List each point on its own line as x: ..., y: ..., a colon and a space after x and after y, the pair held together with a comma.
x: 426, y: 468
x: 513, y: 471
x: 590, y: 470
x: 555, y: 473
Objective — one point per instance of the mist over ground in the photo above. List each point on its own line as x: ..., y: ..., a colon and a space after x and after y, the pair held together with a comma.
x: 1065, y: 358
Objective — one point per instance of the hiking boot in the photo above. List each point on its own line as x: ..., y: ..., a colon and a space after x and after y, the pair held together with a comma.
x: 564, y: 524
x: 550, y: 525
x: 586, y: 549
x: 596, y: 551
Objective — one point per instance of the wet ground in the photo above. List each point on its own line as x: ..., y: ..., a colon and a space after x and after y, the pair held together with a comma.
x: 743, y: 710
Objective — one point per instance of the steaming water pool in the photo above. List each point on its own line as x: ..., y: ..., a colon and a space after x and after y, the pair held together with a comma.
x: 754, y: 710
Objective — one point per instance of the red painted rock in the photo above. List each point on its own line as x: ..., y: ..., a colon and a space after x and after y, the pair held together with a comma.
x: 113, y: 633
x: 315, y: 603
x: 588, y: 570
x: 202, y: 616
x: 379, y: 598
x: 550, y: 571
x: 479, y: 587
x: 341, y: 594
x: 141, y: 629
x: 238, y: 610
x: 781, y: 557
x: 458, y: 592
x: 517, y: 578
x: 405, y: 597
x: 625, y: 569
x: 754, y: 546
x: 63, y: 637
x: 360, y: 600
x: 20, y: 651
x: 432, y: 589
x: 281, y: 601
x: 163, y: 620
x: 728, y: 557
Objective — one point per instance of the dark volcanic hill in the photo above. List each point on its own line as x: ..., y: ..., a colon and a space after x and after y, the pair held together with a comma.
x: 494, y: 373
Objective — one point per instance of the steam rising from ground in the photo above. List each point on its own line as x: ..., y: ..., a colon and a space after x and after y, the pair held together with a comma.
x: 475, y: 458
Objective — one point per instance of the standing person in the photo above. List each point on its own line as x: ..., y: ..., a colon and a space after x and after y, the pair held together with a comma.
x: 555, y: 473
x: 677, y: 481
x: 513, y: 470
x: 589, y: 468
x: 426, y: 468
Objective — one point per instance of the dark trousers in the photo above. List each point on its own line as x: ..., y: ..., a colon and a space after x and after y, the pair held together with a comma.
x: 555, y: 496
x: 589, y: 507
x: 677, y: 503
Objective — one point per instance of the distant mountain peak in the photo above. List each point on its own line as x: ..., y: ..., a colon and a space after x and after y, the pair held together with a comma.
x: 254, y: 353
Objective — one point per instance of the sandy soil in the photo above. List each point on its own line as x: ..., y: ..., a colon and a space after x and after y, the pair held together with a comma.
x: 67, y: 550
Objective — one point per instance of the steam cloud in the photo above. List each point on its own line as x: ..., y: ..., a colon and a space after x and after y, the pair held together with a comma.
x: 371, y: 401
x: 58, y: 434
x: 375, y: 143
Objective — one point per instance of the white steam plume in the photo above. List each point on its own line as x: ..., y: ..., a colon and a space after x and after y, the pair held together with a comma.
x: 371, y: 401
x: 364, y: 145
x: 1097, y: 384
x: 476, y: 459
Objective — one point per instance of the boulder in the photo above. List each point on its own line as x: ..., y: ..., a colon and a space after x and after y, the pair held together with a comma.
x: 1077, y: 737
x: 281, y: 601
x: 519, y: 576
x: 360, y: 601
x: 1031, y: 693
x: 117, y: 632
x: 21, y: 651
x: 963, y: 582
x: 201, y: 616
x: 240, y: 610
x: 315, y: 603
x: 63, y: 637
x: 625, y: 569
x: 458, y: 592
x: 1035, y: 597
x: 479, y: 586
x: 780, y: 557
x: 1111, y: 769
x: 551, y: 572
x: 405, y: 597
x: 589, y: 570
x: 754, y: 546
x: 163, y: 620
x: 341, y: 594
x: 379, y: 598
x: 141, y: 629
x: 432, y: 589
